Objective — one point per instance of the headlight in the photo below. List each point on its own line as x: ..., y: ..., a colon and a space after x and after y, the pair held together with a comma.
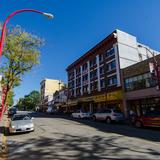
x: 13, y: 126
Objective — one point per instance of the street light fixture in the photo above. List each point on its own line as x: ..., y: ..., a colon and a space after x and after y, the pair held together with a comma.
x: 48, y: 15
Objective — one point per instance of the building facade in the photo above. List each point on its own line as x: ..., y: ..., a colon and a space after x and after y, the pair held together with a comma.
x: 48, y: 88
x: 60, y: 100
x: 95, y: 79
x: 140, y: 85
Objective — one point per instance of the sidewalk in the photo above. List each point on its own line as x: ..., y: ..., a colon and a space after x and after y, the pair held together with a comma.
x: 3, y: 140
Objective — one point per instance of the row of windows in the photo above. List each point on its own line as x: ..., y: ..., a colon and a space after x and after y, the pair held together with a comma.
x: 110, y: 81
x: 109, y: 67
x: 92, y: 63
x: 139, y: 82
x: 93, y: 87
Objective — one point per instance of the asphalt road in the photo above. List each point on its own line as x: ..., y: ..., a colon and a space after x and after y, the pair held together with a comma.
x: 64, y: 138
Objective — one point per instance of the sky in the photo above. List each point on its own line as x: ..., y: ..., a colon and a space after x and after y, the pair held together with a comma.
x: 78, y: 26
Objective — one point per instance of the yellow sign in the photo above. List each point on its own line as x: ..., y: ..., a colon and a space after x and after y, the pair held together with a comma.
x: 72, y: 102
x: 117, y: 95
x: 100, y: 98
x: 86, y: 99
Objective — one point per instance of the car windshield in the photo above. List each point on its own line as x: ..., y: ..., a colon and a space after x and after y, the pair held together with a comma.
x: 21, y: 117
x: 153, y: 113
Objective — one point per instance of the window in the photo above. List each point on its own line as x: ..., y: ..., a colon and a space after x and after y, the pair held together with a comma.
x: 72, y: 84
x: 111, y: 65
x: 72, y: 93
x: 71, y: 75
x: 85, y: 77
x: 93, y: 62
x: 139, y: 82
x: 78, y: 91
x: 78, y: 71
x: 78, y: 81
x: 101, y: 70
x: 93, y: 74
x: 110, y: 52
x: 84, y: 67
x: 92, y: 86
x: 112, y: 80
x: 102, y: 83
x: 101, y: 58
x: 107, y: 111
x: 85, y: 89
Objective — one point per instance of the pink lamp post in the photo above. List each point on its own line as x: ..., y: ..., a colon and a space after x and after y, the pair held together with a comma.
x: 50, y: 16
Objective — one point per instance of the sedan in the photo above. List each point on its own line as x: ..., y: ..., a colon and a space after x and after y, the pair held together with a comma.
x: 80, y: 114
x: 21, y: 123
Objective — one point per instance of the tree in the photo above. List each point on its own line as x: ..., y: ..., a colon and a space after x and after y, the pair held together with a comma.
x: 29, y: 102
x: 21, y: 53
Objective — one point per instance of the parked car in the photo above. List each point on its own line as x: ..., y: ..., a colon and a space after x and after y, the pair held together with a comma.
x: 52, y: 110
x: 109, y: 115
x: 81, y: 114
x: 49, y: 110
x: 21, y: 123
x: 12, y: 111
x: 150, y: 119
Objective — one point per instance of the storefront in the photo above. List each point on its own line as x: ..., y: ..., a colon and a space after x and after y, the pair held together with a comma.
x: 72, y: 105
x: 102, y: 101
x: 141, y: 106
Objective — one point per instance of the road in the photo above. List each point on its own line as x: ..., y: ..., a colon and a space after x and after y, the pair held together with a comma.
x: 63, y: 138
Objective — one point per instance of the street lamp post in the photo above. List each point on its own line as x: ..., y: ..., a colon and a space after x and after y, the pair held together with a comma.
x: 156, y: 67
x: 11, y: 15
x: 48, y: 15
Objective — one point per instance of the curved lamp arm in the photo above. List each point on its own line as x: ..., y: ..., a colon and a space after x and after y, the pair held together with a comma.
x: 50, y: 16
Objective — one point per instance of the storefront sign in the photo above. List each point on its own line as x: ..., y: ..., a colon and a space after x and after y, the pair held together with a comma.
x: 100, y: 98
x: 72, y: 102
x: 86, y: 99
x: 117, y: 95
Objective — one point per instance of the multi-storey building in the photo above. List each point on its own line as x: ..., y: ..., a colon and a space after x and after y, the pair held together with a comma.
x: 94, y: 80
x: 48, y: 88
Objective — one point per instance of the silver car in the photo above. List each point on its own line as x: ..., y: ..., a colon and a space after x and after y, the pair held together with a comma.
x: 21, y: 123
x: 109, y: 115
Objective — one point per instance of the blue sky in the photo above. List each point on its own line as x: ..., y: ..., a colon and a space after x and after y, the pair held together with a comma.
x: 78, y: 26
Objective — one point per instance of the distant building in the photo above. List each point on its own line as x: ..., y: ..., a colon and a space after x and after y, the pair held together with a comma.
x: 60, y: 100
x: 48, y: 88
x: 95, y: 79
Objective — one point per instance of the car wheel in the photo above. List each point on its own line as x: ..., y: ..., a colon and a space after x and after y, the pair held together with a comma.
x: 138, y: 124
x: 108, y: 120
x: 94, y: 118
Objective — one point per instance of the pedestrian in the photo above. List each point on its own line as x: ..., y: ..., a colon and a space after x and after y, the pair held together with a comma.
x: 132, y: 115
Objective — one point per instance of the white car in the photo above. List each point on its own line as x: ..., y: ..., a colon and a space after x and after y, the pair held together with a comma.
x: 80, y: 114
x: 21, y: 123
x: 109, y: 115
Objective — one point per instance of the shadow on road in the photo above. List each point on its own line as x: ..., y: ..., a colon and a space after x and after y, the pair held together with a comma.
x: 151, y: 134
x: 69, y: 147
